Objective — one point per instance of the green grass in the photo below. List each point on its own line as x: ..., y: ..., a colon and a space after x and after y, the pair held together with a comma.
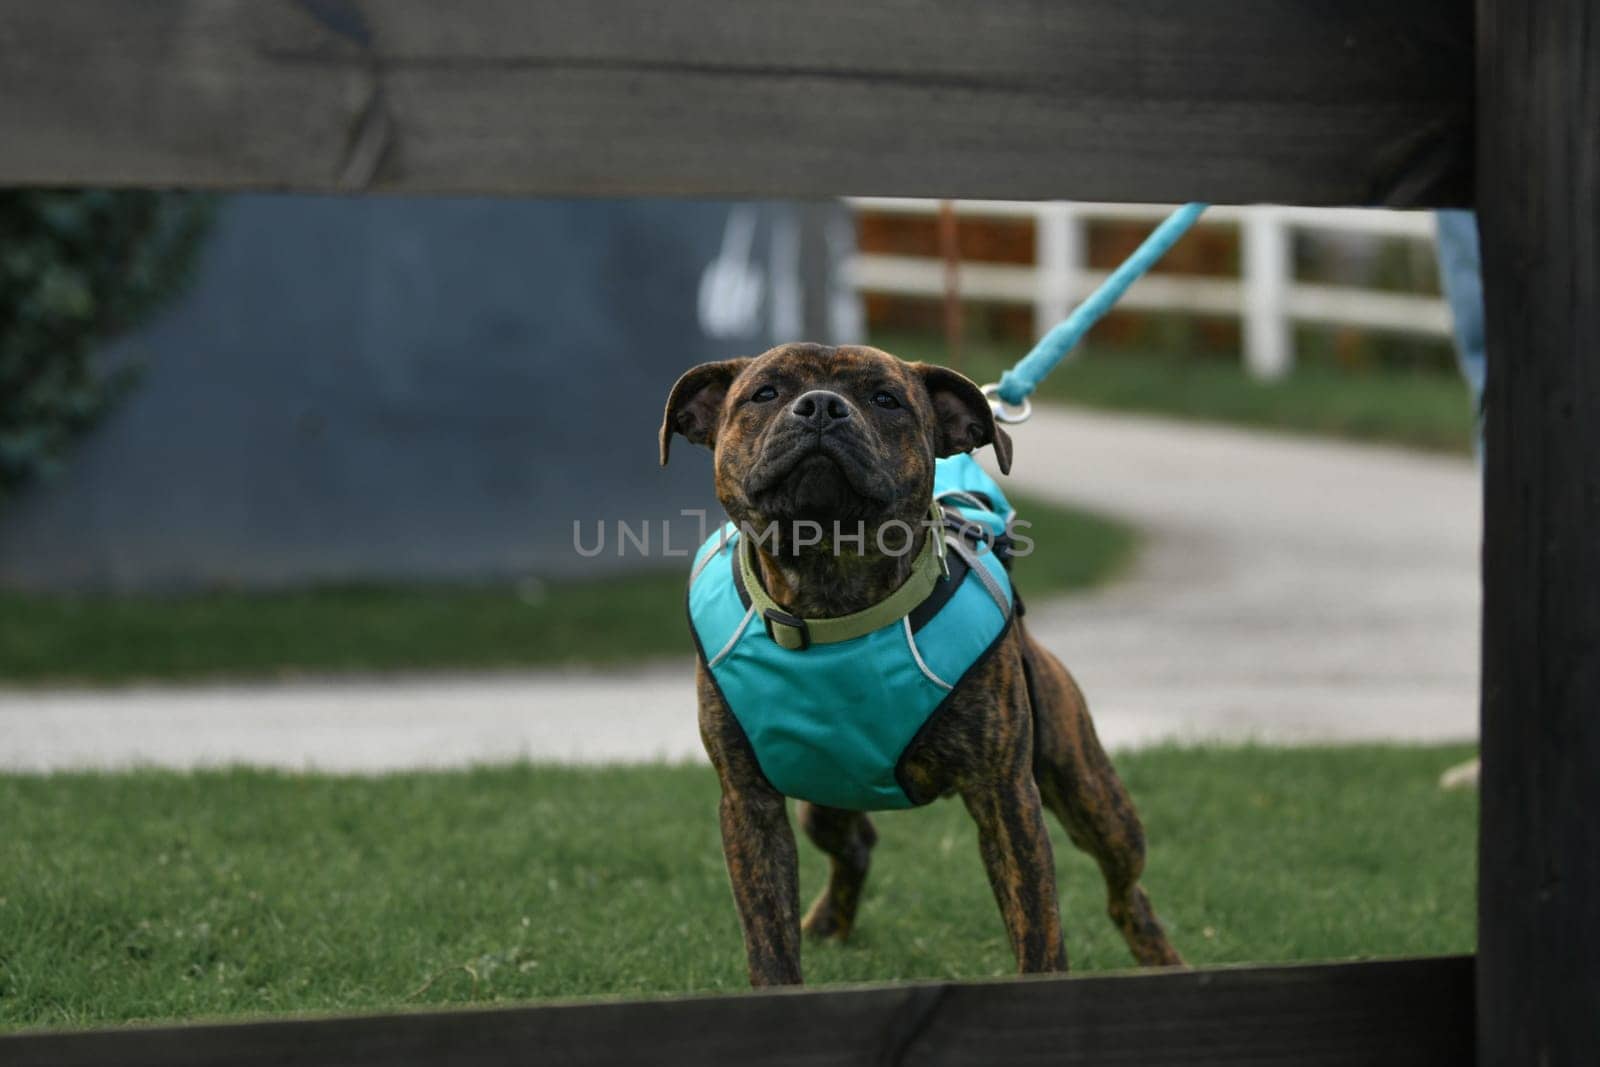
x: 163, y: 896
x: 237, y: 634
x: 49, y: 639
x: 1415, y: 408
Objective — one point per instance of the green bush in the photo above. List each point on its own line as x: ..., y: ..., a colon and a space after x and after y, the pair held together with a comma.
x: 78, y: 268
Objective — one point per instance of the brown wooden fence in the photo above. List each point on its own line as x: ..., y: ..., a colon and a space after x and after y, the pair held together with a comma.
x: 1401, y: 103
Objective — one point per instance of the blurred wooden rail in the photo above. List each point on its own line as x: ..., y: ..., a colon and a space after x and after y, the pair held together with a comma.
x: 1405, y: 1013
x: 1266, y: 297
x: 1339, y: 102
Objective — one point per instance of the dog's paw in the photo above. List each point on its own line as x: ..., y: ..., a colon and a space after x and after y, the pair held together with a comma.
x: 823, y: 922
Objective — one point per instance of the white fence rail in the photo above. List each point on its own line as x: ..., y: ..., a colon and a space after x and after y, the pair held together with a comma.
x: 1267, y: 298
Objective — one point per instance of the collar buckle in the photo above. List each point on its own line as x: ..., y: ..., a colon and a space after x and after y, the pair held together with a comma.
x: 787, y: 631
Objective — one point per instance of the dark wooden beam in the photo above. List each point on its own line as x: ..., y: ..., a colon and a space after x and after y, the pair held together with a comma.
x: 1539, y: 843
x: 1333, y: 102
x: 1401, y: 1012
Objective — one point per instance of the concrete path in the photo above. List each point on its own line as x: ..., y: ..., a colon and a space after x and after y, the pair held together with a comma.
x: 1290, y: 591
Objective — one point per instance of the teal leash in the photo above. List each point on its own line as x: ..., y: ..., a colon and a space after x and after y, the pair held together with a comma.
x: 1010, y: 395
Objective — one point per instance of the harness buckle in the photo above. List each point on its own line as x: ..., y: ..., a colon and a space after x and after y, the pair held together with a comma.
x: 787, y: 631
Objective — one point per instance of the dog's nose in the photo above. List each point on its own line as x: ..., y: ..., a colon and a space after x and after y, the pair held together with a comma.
x: 820, y: 408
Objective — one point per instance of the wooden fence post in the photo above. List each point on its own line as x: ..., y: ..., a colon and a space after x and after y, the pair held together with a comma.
x: 1538, y: 195
x: 1060, y: 258
x: 1268, y: 266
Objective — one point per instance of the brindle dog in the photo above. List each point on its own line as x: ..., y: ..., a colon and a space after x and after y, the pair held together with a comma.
x: 808, y: 432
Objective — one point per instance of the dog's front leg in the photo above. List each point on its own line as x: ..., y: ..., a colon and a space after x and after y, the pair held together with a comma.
x: 758, y: 843
x: 1021, y: 867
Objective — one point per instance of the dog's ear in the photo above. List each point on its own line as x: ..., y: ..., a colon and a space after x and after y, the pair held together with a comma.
x: 963, y: 419
x: 695, y: 404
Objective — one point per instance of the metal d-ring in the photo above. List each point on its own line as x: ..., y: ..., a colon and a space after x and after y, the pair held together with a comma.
x: 1004, y: 412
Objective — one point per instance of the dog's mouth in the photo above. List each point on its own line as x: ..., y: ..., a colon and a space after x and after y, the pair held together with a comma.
x: 824, y: 478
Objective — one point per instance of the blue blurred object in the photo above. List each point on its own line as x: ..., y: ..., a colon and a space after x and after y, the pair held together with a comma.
x: 1461, y: 274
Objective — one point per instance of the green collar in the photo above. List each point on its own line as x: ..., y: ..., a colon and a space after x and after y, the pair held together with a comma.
x: 794, y: 633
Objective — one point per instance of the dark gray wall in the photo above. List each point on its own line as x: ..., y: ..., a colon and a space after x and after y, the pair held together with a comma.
x: 372, y: 389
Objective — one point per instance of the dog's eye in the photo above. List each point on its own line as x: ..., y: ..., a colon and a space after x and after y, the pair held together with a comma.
x: 765, y: 393
x: 885, y: 400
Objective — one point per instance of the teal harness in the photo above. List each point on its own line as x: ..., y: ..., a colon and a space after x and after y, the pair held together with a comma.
x: 830, y: 722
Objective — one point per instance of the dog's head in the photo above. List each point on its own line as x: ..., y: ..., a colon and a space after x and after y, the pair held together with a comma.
x: 812, y: 433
